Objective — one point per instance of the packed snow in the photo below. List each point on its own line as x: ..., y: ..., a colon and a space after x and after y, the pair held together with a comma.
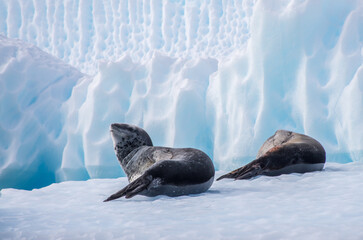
x: 317, y: 205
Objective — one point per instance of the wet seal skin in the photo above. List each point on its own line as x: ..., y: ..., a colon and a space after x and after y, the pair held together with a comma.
x: 153, y: 171
x: 284, y: 152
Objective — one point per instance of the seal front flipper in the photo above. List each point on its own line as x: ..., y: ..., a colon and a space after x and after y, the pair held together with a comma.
x: 248, y: 171
x: 133, y: 188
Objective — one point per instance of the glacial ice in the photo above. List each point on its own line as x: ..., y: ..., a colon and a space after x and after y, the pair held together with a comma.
x: 33, y: 87
x: 214, y: 75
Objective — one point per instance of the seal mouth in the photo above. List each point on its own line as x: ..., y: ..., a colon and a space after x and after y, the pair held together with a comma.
x: 114, y: 131
x: 117, y: 131
x: 114, y: 127
x: 119, y: 127
x: 121, y: 131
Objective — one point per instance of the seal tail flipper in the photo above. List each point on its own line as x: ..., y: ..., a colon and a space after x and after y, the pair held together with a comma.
x: 132, y: 189
x: 246, y: 172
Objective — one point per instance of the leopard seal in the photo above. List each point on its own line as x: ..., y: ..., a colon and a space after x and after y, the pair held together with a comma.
x: 153, y: 171
x: 284, y: 152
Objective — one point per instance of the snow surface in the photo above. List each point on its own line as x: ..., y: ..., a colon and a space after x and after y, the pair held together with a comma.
x: 221, y: 76
x: 318, y: 205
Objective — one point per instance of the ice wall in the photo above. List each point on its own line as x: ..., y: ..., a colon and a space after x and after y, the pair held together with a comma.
x: 221, y: 76
x: 82, y: 32
x: 33, y: 87
x: 302, y: 70
x: 166, y: 97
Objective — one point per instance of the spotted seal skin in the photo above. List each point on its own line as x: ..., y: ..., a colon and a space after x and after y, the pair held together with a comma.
x: 155, y: 171
x: 284, y: 152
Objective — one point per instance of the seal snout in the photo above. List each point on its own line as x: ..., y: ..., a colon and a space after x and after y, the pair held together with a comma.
x: 118, y: 132
x: 126, y: 135
x: 118, y: 127
x: 121, y: 129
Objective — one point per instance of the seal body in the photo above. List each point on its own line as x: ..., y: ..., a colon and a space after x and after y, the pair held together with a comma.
x: 155, y: 171
x: 284, y: 152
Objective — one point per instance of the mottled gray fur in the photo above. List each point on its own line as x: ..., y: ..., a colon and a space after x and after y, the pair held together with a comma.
x: 158, y: 170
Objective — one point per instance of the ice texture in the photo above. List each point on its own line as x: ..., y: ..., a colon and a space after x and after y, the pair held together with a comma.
x: 314, y: 206
x: 221, y: 76
x: 83, y: 32
x: 302, y: 71
x: 33, y: 87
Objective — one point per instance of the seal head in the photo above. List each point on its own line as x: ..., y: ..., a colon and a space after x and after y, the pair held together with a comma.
x: 284, y: 152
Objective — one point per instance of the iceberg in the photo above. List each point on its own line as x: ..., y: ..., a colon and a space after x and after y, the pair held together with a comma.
x: 217, y: 76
